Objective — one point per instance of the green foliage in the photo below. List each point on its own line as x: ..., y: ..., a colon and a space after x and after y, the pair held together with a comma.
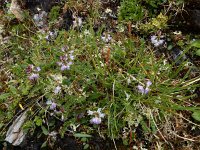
x: 91, y: 83
x: 131, y: 10
x: 196, y: 44
x: 100, y: 75
x: 136, y: 10
x: 54, y: 13
x: 196, y: 115
x: 158, y: 23
x: 81, y: 135
x: 154, y: 3
x: 198, y: 52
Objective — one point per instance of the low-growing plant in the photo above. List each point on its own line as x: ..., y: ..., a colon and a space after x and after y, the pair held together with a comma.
x: 78, y: 80
x: 54, y: 13
x: 84, y: 83
x: 131, y: 10
x: 155, y: 24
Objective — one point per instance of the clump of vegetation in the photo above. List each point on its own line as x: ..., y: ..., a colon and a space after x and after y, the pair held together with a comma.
x: 131, y: 10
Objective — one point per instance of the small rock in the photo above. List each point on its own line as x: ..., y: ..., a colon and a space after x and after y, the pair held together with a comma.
x: 15, y: 134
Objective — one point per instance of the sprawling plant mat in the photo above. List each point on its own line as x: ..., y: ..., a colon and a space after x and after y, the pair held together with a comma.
x: 97, y: 74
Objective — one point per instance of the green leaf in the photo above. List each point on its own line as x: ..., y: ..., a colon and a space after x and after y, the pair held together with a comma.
x: 1, y: 125
x: 198, y: 52
x: 125, y: 142
x: 44, y: 130
x: 44, y: 144
x: 4, y: 96
x: 86, y: 146
x: 13, y: 90
x: 196, y: 115
x: 94, y: 96
x: 54, y: 13
x: 196, y: 44
x: 82, y: 135
x: 83, y: 139
x: 38, y: 121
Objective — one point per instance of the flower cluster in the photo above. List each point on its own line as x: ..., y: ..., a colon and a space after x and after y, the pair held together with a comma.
x: 40, y: 19
x: 144, y: 90
x: 86, y: 32
x: 58, y: 78
x: 97, y: 116
x: 108, y: 11
x: 106, y: 37
x: 51, y: 35
x: 66, y: 61
x: 57, y: 89
x: 33, y: 72
x: 52, y: 105
x: 53, y: 135
x: 77, y: 21
x: 157, y: 41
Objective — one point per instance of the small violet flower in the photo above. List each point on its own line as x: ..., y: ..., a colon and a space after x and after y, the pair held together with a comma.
x: 33, y: 72
x: 51, y: 104
x: 66, y: 61
x: 37, y: 69
x: 57, y: 90
x: 95, y: 120
x: 33, y: 77
x: 64, y: 67
x: 71, y: 57
x: 145, y: 90
x: 97, y: 116
x: 156, y: 41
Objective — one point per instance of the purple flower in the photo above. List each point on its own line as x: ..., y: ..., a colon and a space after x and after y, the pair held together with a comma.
x: 95, y: 120
x: 149, y: 83
x: 70, y: 63
x: 66, y: 61
x: 59, y: 63
x: 33, y: 77
x: 29, y: 69
x: 57, y: 90
x: 53, y: 106
x: 144, y: 90
x: 63, y: 58
x: 64, y: 67
x: 97, y: 116
x: 71, y: 57
x: 38, y: 69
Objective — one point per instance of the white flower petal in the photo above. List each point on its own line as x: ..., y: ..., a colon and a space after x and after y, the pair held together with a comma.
x: 90, y: 112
